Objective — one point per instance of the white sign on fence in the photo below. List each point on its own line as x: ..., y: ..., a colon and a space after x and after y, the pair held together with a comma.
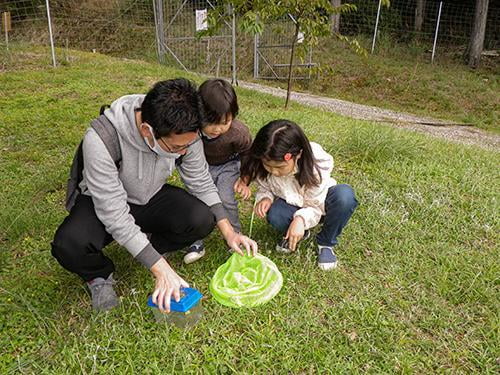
x: 300, y: 37
x: 201, y: 20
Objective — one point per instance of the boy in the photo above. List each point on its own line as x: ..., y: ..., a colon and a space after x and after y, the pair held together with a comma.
x: 224, y: 140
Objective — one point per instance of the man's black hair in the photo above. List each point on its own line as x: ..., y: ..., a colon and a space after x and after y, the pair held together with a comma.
x: 218, y: 99
x: 172, y: 107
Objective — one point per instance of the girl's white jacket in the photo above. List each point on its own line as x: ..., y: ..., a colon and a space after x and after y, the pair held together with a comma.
x: 310, y: 200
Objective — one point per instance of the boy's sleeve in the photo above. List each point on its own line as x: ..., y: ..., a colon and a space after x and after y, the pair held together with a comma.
x: 243, y: 141
x: 195, y: 175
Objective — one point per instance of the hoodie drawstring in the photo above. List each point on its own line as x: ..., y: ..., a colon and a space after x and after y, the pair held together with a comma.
x: 140, y: 165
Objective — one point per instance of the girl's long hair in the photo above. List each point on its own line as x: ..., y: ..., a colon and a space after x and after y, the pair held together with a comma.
x: 272, y: 142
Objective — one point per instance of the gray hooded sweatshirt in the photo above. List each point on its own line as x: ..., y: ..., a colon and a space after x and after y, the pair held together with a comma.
x: 141, y: 175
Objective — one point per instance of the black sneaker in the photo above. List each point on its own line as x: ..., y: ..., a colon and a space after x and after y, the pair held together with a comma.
x: 283, y: 246
x: 196, y: 251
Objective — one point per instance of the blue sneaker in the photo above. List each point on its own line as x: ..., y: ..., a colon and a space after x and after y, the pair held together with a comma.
x: 327, y: 259
x: 196, y: 251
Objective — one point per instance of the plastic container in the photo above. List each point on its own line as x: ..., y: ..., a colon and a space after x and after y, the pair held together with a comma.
x: 183, y: 314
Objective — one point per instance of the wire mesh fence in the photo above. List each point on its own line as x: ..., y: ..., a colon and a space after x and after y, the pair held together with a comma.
x: 400, y: 22
x: 180, y: 25
x: 271, y: 58
x: 167, y: 30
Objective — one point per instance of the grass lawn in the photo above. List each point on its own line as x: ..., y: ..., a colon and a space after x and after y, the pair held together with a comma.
x: 416, y: 289
x: 401, y: 78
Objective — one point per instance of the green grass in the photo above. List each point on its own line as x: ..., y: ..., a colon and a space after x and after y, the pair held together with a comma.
x: 401, y: 77
x: 416, y: 289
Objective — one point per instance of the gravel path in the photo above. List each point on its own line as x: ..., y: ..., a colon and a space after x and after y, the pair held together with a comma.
x: 436, y: 128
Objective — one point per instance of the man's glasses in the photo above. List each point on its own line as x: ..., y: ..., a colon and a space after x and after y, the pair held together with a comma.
x: 175, y: 149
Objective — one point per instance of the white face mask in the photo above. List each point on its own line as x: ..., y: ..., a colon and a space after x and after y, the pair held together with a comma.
x: 207, y: 136
x: 156, y: 146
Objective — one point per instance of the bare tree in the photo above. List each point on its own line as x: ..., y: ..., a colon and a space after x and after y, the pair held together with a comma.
x: 335, y: 17
x: 477, y: 37
x: 419, y: 15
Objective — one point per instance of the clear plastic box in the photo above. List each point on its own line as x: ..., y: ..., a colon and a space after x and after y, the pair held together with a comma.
x: 183, y: 314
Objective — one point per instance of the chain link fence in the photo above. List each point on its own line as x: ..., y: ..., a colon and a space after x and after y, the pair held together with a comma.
x: 166, y: 31
x: 179, y: 23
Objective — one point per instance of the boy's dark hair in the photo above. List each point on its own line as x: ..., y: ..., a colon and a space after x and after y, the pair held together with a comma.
x: 219, y: 99
x: 172, y: 107
x: 272, y: 142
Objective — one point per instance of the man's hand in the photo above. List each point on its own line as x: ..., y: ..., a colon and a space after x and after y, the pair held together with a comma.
x: 295, y: 232
x: 242, y: 189
x: 236, y: 240
x: 168, y: 284
x: 262, y: 207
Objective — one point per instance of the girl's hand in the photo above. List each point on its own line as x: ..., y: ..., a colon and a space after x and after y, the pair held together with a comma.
x: 242, y: 189
x: 262, y: 207
x: 295, y: 232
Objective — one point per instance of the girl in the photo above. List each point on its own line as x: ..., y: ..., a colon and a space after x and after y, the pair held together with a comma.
x: 296, y: 190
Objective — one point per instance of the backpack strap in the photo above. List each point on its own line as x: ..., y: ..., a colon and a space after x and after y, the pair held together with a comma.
x: 109, y: 136
x: 107, y: 132
x: 103, y: 108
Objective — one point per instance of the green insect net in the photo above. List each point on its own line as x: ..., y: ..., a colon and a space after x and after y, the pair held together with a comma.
x: 246, y: 281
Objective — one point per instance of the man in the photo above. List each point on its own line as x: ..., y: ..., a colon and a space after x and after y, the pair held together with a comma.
x: 127, y: 201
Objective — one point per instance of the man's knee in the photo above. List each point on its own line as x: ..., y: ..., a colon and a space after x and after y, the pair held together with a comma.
x: 68, y: 243
x: 201, y: 221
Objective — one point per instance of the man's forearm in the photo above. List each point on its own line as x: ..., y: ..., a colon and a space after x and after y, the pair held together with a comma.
x: 225, y: 227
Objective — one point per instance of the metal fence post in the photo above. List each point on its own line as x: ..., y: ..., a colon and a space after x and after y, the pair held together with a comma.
x: 50, y: 33
x: 159, y: 29
x: 376, y: 25
x: 6, y: 24
x: 233, y: 47
x: 437, y: 31
x: 158, y: 53
x: 256, y: 56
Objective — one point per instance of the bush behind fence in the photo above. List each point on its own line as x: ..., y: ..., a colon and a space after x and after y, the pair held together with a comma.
x: 127, y: 28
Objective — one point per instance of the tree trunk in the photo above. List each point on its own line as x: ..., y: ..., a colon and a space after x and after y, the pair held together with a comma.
x: 477, y: 36
x: 335, y: 17
x: 419, y: 15
x: 290, y: 68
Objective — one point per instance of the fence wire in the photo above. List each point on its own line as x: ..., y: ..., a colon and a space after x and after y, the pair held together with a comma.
x: 130, y: 28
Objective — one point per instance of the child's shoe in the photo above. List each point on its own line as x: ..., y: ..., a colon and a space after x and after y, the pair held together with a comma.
x: 283, y: 246
x: 196, y: 251
x: 327, y: 259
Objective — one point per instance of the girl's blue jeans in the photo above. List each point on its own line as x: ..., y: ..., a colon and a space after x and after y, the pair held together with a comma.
x: 340, y: 204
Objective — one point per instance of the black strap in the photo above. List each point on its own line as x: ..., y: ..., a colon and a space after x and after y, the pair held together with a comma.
x: 109, y: 136
x: 103, y: 108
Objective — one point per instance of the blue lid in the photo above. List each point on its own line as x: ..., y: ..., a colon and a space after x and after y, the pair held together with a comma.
x: 190, y: 298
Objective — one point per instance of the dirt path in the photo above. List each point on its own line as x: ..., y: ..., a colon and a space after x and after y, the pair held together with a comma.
x: 436, y: 128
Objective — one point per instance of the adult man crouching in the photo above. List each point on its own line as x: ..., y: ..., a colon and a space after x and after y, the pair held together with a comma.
x: 124, y: 202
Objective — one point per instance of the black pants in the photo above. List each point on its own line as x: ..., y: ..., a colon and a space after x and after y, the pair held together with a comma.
x: 174, y: 217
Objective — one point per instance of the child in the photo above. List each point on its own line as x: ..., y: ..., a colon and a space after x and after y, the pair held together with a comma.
x: 296, y: 190
x: 224, y: 139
